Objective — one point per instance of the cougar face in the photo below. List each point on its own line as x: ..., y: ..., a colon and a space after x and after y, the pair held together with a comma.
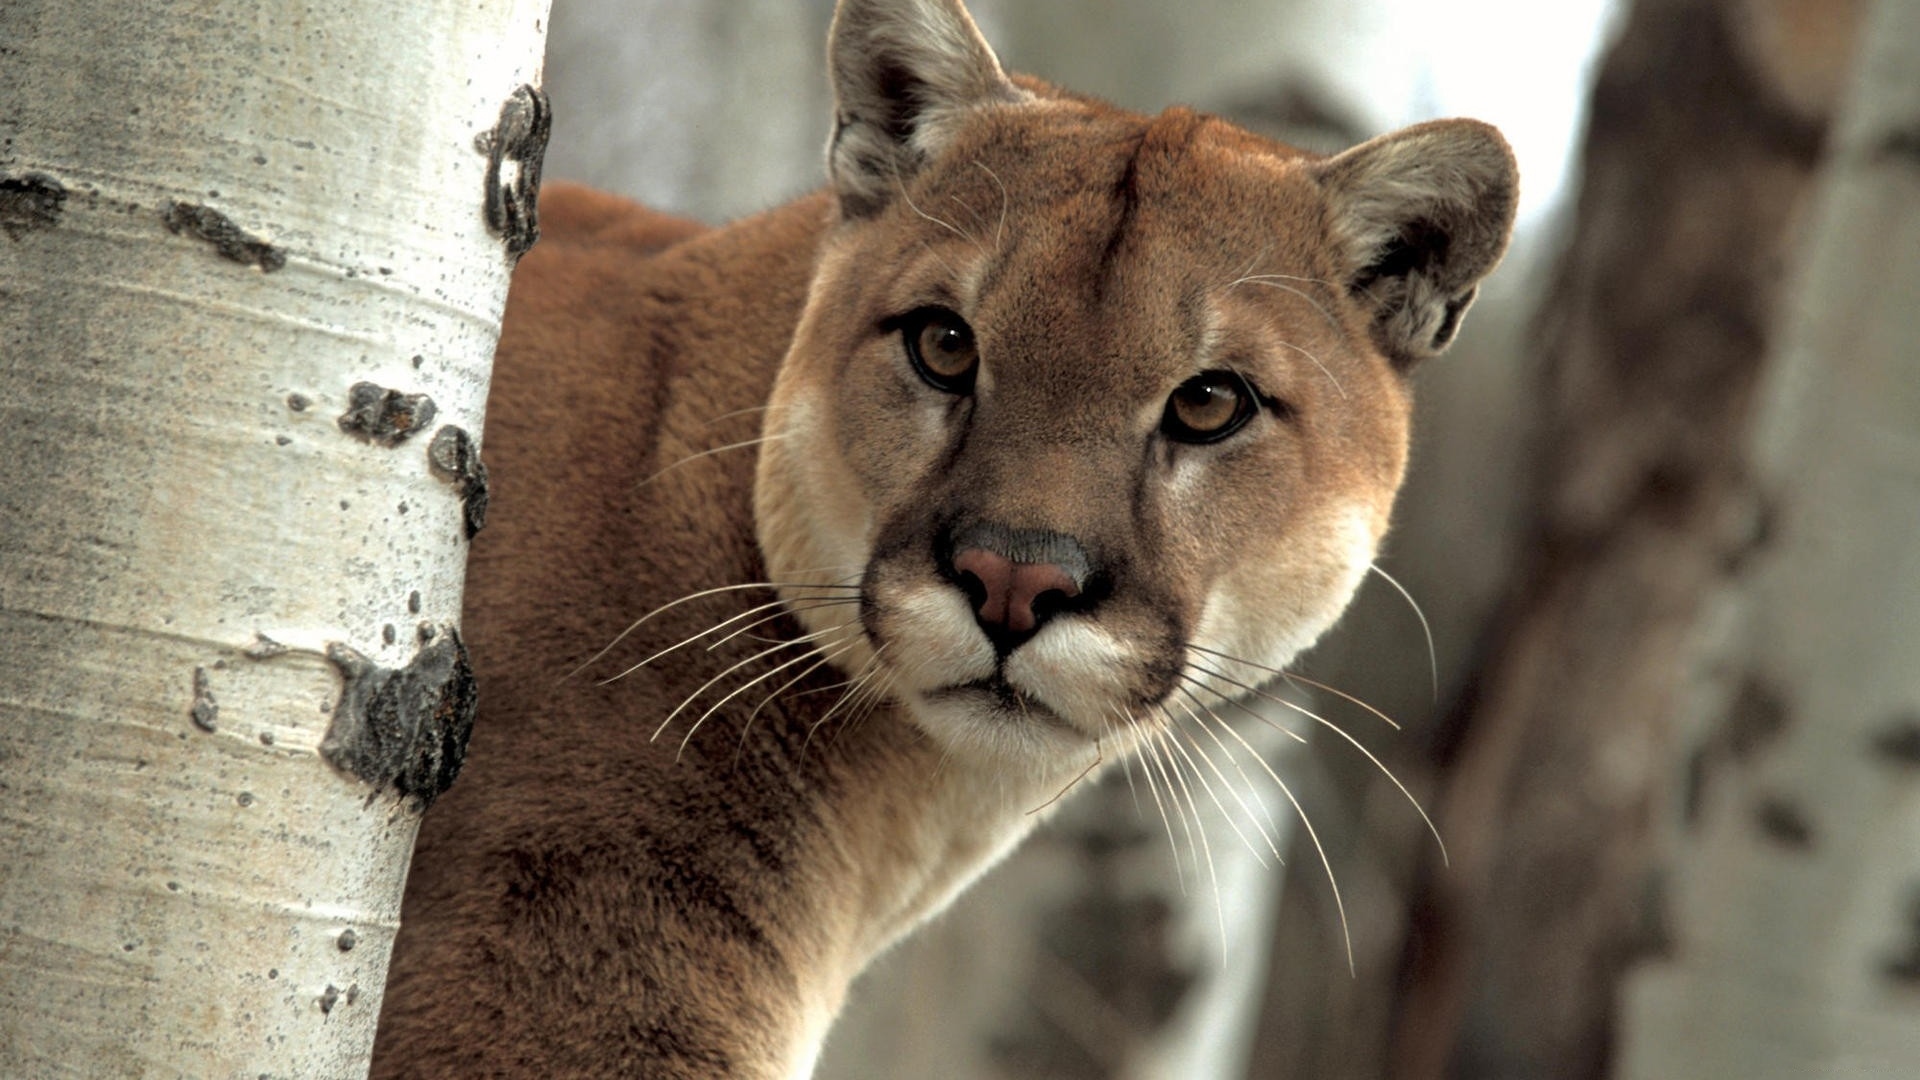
x: 1108, y: 439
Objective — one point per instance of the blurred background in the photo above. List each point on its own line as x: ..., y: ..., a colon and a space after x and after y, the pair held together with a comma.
x: 1652, y: 626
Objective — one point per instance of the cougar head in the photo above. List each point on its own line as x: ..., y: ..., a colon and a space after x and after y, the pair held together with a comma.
x: 1105, y: 413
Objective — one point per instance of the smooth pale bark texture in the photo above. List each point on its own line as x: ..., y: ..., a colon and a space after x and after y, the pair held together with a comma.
x: 1705, y: 144
x: 217, y: 218
x: 1794, y: 932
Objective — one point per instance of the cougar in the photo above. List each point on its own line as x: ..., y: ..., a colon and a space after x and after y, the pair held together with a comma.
x: 830, y: 545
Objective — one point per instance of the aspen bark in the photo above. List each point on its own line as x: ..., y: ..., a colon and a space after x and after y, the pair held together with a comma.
x: 1706, y: 139
x: 1793, y: 946
x: 251, y: 277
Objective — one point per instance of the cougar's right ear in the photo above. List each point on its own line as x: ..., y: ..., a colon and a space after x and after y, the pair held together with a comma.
x: 1422, y: 214
x: 903, y: 73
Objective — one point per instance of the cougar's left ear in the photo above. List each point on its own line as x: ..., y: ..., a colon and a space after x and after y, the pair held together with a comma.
x: 1422, y: 214
x: 904, y: 71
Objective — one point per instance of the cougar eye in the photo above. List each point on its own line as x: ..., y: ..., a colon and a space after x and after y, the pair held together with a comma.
x: 1208, y: 407
x: 941, y: 347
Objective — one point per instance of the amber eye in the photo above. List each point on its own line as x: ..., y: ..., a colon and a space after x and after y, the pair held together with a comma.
x: 1208, y: 407
x: 940, y: 344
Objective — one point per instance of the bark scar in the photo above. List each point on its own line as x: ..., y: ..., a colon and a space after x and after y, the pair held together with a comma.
x: 454, y: 458
x: 228, y: 239
x: 406, y: 727
x: 385, y: 417
x: 519, y: 137
x: 205, y: 711
x: 1902, y: 143
x: 30, y: 202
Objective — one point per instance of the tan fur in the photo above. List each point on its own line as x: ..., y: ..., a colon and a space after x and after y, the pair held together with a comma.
x: 591, y: 902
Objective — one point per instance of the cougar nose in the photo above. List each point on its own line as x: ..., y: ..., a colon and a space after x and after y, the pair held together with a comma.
x: 1016, y: 578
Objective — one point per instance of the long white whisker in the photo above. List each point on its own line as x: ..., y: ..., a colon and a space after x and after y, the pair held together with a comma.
x: 1340, y: 905
x: 1272, y: 281
x: 869, y: 701
x: 1200, y: 826
x: 686, y: 641
x: 978, y: 221
x: 1205, y: 784
x: 1000, y: 233
x: 1287, y: 277
x: 1297, y: 678
x: 739, y: 412
x: 1225, y: 700
x: 1099, y: 755
x: 1341, y: 694
x: 858, y: 683
x: 1433, y: 662
x: 762, y: 654
x: 1234, y: 760
x: 899, y: 183
x: 690, y: 597
x: 824, y: 658
x: 1355, y: 743
x: 865, y: 702
x: 1265, y: 250
x: 709, y: 453
x: 743, y: 688
x: 1219, y: 721
x: 1166, y: 764
x: 1324, y: 370
x: 811, y: 604
x: 1146, y: 769
x: 1126, y: 764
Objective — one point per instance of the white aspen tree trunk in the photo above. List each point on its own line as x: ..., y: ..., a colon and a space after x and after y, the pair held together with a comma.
x: 249, y: 287
x: 1795, y: 922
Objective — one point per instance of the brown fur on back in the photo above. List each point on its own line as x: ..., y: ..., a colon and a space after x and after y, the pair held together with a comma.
x: 540, y: 941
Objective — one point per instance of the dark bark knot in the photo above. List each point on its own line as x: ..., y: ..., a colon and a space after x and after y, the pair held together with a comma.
x: 205, y: 711
x: 385, y: 417
x: 1902, y: 144
x: 453, y: 457
x: 1784, y: 821
x: 515, y: 149
x: 29, y: 203
x: 1898, y: 741
x: 406, y: 727
x: 228, y: 239
x: 1904, y: 965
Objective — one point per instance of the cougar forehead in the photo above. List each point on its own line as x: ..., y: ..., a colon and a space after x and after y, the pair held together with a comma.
x: 1097, y: 275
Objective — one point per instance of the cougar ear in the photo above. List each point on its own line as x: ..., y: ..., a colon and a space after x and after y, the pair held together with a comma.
x: 903, y: 73
x: 1422, y: 214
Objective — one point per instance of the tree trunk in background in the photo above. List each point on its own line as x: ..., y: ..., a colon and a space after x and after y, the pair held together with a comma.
x: 709, y: 108
x: 1795, y: 914
x: 230, y: 577
x: 1706, y: 134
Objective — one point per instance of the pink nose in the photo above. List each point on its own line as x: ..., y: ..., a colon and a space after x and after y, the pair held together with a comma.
x: 1008, y: 589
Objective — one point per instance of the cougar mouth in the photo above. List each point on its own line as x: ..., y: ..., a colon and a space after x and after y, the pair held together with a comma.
x: 1003, y: 698
x: 994, y: 716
